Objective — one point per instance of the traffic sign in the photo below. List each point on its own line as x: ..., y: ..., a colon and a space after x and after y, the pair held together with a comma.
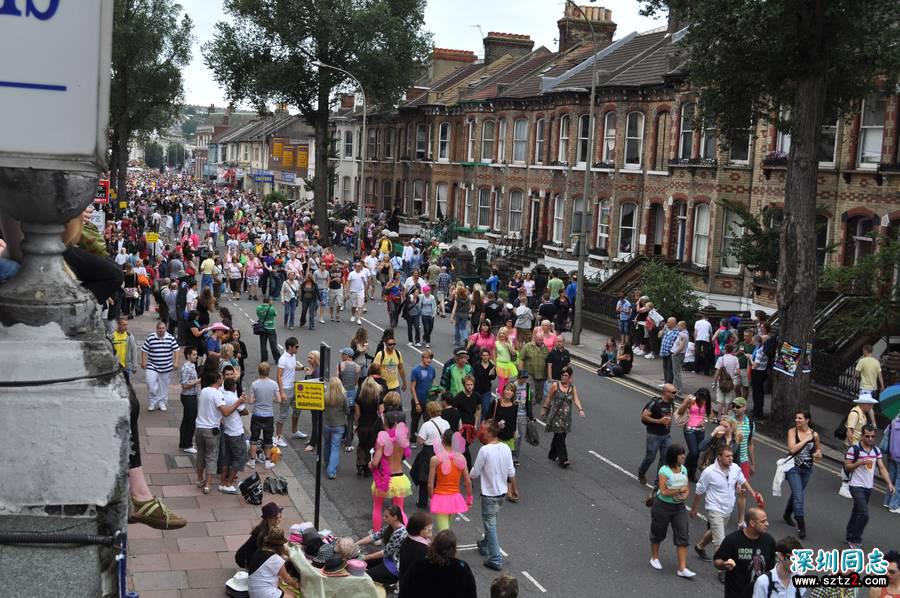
x: 123, y: 205
x: 309, y: 395
x: 102, y: 194
x: 54, y: 83
x: 152, y: 237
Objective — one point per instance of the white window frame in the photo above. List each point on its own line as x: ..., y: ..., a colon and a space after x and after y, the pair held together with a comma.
x: 584, y: 132
x: 705, y: 135
x: 859, y: 236
x: 516, y: 206
x: 867, y: 130
x: 444, y: 142
x: 609, y: 137
x: 559, y: 215
x: 487, y: 142
x: 743, y: 161
x: 371, y: 144
x: 686, y: 131
x: 467, y: 205
x: 578, y: 215
x: 602, y: 239
x: 563, y: 153
x: 389, y: 143
x: 483, y: 217
x: 539, y: 141
x: 421, y: 142
x: 520, y: 141
x: 498, y: 211
x: 833, y: 162
x: 701, y: 258
x: 346, y: 189
x: 633, y: 228
x: 470, y: 144
x: 680, y: 231
x: 348, y: 145
x: 501, y: 141
x: 730, y: 234
x: 631, y: 139
x: 418, y: 197
x: 440, y: 196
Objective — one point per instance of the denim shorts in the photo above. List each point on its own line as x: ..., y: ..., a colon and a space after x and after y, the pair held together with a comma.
x: 624, y: 326
x: 323, y: 296
x: 235, y: 452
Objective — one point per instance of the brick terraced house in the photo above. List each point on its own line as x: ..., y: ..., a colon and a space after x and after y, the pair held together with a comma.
x: 500, y: 145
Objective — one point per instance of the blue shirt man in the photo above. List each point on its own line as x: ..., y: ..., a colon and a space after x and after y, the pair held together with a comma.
x: 493, y: 283
x: 422, y: 378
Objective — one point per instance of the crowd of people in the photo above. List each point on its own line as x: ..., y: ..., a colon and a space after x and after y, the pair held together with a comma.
x: 212, y: 244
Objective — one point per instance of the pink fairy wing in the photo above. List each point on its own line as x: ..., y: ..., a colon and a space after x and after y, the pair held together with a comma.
x: 459, y: 443
x: 402, y: 436
x: 385, y: 443
x: 460, y: 460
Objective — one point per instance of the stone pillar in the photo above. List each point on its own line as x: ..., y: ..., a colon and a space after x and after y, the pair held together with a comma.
x: 63, y: 404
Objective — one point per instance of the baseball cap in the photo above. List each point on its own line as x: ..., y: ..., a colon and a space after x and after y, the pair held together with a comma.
x: 739, y: 402
x: 347, y: 351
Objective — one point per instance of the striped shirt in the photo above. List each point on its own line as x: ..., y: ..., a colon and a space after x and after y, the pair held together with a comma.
x: 160, y: 353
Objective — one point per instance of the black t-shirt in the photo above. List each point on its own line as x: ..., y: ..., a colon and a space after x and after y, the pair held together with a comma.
x: 658, y: 409
x: 557, y: 360
x: 451, y: 414
x: 507, y: 415
x: 547, y: 311
x: 493, y: 311
x: 752, y: 557
x: 467, y: 406
x: 483, y: 376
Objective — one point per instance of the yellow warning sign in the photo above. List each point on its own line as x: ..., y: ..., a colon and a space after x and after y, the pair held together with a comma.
x: 152, y: 237
x: 309, y: 395
x: 123, y: 205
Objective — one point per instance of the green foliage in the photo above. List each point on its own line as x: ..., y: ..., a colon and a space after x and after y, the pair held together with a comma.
x: 153, y: 155
x: 275, y: 197
x: 670, y: 291
x: 175, y: 154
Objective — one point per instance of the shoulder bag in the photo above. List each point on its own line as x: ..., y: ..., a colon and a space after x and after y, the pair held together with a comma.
x: 259, y: 326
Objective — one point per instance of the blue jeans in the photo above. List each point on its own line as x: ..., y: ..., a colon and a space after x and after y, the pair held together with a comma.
x: 485, y: 404
x: 290, y: 309
x: 489, y: 545
x: 892, y: 501
x: 348, y: 427
x: 206, y: 280
x: 859, y: 516
x: 461, y: 330
x: 655, y: 444
x: 693, y: 438
x: 331, y: 448
x: 798, y: 478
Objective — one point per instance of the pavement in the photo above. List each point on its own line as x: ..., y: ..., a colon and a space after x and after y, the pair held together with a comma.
x: 578, y: 532
x: 196, y: 560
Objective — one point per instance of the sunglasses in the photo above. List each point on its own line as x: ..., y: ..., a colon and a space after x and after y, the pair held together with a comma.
x: 391, y: 344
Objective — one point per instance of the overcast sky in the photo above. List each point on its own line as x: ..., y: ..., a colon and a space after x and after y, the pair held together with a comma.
x: 453, y: 23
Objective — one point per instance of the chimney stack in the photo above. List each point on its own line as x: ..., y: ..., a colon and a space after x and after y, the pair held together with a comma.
x: 498, y: 44
x: 573, y: 29
x: 444, y: 61
x: 211, y: 109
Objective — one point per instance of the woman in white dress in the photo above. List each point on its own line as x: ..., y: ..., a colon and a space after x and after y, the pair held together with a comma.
x: 267, y: 568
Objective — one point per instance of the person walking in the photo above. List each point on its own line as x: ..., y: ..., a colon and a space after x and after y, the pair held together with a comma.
x: 289, y: 293
x: 868, y: 371
x: 389, y: 480
x: 697, y: 408
x: 557, y: 408
x: 778, y: 582
x: 445, y: 470
x: 349, y: 372
x: 459, y: 316
x: 266, y: 314
x: 428, y: 309
x: 505, y: 354
x: 746, y: 554
x: 533, y: 360
x: 484, y: 373
x: 429, y: 435
x: 727, y: 378
x: 357, y: 281
x: 441, y: 574
x: 365, y: 420
x: 159, y: 355
x: 703, y: 346
x: 860, y: 463
x: 668, y: 509
x: 860, y: 415
x: 657, y: 418
x: 494, y: 467
x: 759, y: 364
x: 803, y: 444
x: 390, y: 361
x: 421, y: 380
x: 334, y: 421
x: 309, y: 296
x: 190, y: 388
x: 412, y: 313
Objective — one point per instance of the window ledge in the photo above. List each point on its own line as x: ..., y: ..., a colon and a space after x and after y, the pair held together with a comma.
x: 493, y: 235
x: 737, y: 166
x: 730, y: 273
x: 658, y: 172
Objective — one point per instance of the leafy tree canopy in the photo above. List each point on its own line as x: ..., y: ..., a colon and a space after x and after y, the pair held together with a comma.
x: 670, y: 290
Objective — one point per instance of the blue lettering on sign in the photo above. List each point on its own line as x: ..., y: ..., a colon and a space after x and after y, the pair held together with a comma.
x: 8, y: 7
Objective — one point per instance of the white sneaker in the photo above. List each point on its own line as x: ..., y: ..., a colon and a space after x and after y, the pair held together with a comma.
x: 365, y: 309
x: 897, y: 510
x: 228, y: 489
x: 280, y: 442
x: 321, y: 320
x: 163, y: 408
x: 251, y: 463
x: 418, y: 344
x: 270, y: 465
x: 189, y: 450
x: 428, y: 345
x: 656, y: 564
x: 151, y: 408
x: 299, y: 434
x: 686, y: 573
x: 353, y: 319
x: 637, y: 351
x: 648, y: 356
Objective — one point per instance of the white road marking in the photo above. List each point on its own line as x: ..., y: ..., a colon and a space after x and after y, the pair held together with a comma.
x: 534, y: 581
x: 464, y: 518
x: 406, y: 464
x: 417, y: 350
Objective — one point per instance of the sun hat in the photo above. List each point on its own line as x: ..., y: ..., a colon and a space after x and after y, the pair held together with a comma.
x: 865, y: 399
x: 270, y: 509
x: 219, y: 326
x: 238, y: 583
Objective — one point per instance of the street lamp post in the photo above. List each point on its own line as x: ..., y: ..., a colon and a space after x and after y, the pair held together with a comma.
x: 360, y: 196
x: 582, y: 247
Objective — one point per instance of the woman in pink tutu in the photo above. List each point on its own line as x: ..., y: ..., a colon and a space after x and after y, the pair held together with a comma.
x: 446, y: 468
x: 388, y: 479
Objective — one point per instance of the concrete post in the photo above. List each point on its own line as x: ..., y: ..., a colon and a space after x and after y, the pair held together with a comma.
x: 63, y: 406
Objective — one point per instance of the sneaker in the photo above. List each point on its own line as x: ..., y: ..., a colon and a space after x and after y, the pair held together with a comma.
x: 493, y: 566
x: 321, y: 320
x: 163, y: 408
x: 189, y: 450
x: 896, y: 511
x: 637, y: 351
x: 299, y: 434
x: 228, y: 489
x: 701, y: 552
x: 686, y: 573
x: 365, y: 309
x: 656, y: 564
x: 155, y: 514
x: 413, y: 446
x: 349, y: 449
x: 280, y: 442
x: 309, y: 448
x: 648, y: 356
x: 418, y: 344
x: 151, y: 408
x: 270, y: 465
x: 427, y: 345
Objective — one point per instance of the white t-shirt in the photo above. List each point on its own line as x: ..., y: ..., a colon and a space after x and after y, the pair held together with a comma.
x: 356, y: 281
x: 702, y: 330
x: 263, y: 583
x: 191, y: 298
x: 232, y: 423
x: 730, y: 364
x: 432, y: 430
x: 864, y: 475
x: 371, y: 263
x: 288, y: 363
x: 494, y: 465
x: 208, y: 403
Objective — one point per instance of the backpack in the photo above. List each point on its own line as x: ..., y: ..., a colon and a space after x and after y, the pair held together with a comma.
x: 772, y: 587
x: 726, y: 382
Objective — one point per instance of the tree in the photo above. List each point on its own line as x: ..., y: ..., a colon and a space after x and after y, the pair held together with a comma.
x: 153, y: 155
x: 265, y: 55
x: 750, y: 60
x: 175, y: 154
x: 671, y: 291
x: 151, y: 44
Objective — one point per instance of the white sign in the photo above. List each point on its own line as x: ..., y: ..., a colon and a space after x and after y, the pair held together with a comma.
x: 98, y: 217
x: 54, y: 82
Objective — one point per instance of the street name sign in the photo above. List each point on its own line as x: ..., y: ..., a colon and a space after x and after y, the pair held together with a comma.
x: 54, y: 83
